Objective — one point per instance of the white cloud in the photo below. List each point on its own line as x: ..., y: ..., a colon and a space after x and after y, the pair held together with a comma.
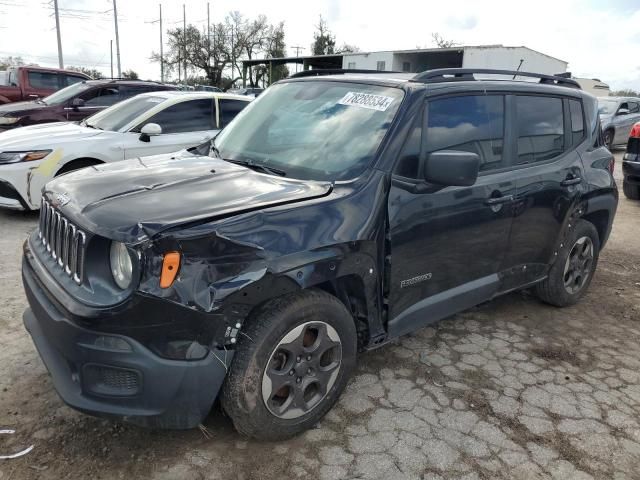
x: 598, y: 39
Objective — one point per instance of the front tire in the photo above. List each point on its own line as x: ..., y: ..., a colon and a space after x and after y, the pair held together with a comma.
x: 630, y: 190
x: 571, y: 274
x: 290, y: 367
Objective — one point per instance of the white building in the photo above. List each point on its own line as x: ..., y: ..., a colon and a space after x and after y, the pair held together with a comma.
x: 489, y: 56
x: 594, y: 86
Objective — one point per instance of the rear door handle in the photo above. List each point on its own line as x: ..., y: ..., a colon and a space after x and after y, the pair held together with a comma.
x: 571, y: 181
x: 498, y: 200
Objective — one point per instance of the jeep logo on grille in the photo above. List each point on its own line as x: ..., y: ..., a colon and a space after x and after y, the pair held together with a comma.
x: 60, y: 199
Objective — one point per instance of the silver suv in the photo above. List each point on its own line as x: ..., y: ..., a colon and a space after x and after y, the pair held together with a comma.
x: 617, y: 116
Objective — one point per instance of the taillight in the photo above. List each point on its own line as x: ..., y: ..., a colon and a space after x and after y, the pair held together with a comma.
x: 635, y: 131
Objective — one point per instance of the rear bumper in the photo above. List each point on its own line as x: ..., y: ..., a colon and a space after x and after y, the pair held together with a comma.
x: 631, y: 170
x: 115, y: 375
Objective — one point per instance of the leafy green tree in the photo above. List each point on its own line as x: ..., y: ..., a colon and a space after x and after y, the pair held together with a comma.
x: 130, y: 75
x: 92, y: 72
x: 324, y: 42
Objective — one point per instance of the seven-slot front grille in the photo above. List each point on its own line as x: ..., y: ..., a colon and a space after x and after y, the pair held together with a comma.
x: 63, y: 240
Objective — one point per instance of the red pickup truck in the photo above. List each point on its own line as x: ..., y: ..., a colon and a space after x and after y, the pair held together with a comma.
x: 29, y: 83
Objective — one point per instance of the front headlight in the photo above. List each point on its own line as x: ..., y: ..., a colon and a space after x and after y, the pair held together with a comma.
x: 121, y: 265
x: 15, y: 157
x: 9, y: 120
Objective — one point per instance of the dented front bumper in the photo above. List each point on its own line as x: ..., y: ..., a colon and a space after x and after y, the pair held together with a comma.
x: 118, y: 371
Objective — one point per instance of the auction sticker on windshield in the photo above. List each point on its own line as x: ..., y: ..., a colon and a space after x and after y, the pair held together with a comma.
x: 366, y: 100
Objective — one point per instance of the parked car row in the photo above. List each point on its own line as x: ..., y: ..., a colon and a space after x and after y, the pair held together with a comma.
x: 331, y: 216
x: 617, y: 116
x: 27, y: 83
x: 151, y: 123
x: 74, y: 102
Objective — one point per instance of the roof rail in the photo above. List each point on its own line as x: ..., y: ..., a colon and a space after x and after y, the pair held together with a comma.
x: 465, y: 74
x: 122, y: 79
x: 334, y: 71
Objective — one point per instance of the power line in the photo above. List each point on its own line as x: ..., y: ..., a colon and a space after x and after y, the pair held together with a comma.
x: 52, y: 58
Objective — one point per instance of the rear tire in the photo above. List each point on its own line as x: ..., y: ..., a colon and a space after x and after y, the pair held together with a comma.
x: 608, y: 138
x: 630, y: 190
x: 571, y: 274
x: 290, y: 367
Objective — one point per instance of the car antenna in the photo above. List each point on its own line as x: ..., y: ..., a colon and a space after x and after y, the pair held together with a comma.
x: 518, y: 69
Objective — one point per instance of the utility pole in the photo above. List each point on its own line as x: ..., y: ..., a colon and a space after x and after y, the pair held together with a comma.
x: 208, y: 38
x: 184, y: 34
x: 111, y: 48
x: 297, y: 48
x: 161, y: 54
x: 233, y: 55
x: 115, y: 19
x: 55, y: 8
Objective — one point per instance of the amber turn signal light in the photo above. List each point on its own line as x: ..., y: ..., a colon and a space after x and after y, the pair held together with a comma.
x: 170, y: 267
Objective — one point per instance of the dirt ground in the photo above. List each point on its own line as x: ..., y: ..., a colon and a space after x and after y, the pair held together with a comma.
x: 510, y: 389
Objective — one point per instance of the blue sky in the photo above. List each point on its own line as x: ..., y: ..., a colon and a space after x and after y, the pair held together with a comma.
x: 599, y: 39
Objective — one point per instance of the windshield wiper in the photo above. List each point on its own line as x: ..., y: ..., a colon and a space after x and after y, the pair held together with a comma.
x: 258, y: 167
x: 91, y: 125
x: 246, y: 163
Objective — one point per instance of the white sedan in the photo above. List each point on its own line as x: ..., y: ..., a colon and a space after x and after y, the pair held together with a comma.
x: 148, y: 124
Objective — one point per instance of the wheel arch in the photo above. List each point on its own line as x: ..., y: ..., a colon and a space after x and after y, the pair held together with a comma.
x: 356, y: 290
x: 601, y: 220
x: 78, y: 163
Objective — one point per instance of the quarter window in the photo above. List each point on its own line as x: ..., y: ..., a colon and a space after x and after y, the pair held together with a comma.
x: 189, y: 116
x: 577, y: 122
x: 540, y: 128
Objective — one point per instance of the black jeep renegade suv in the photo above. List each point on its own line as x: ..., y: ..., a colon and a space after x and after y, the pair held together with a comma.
x: 334, y: 214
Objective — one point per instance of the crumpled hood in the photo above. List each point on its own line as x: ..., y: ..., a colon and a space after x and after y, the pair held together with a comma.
x: 45, y: 135
x: 20, y: 108
x: 133, y: 200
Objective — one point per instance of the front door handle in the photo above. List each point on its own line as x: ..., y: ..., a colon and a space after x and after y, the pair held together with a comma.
x: 573, y: 180
x: 498, y: 200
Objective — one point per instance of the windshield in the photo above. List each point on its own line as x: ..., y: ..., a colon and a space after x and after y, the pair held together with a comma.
x: 318, y: 130
x: 121, y: 114
x: 62, y: 96
x: 607, y: 107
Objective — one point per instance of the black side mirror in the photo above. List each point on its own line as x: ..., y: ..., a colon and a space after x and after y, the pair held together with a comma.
x: 452, y: 168
x: 77, y: 103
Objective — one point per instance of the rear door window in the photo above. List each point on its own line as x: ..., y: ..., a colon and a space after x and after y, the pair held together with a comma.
x: 189, y: 116
x: 229, y: 109
x: 43, y: 80
x: 539, y: 129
